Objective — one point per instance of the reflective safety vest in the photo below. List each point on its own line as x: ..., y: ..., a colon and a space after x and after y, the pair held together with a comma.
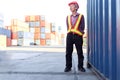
x: 74, y: 28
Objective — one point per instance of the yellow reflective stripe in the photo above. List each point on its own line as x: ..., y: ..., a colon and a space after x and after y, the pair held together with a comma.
x: 77, y: 32
x: 78, y: 21
x: 76, y: 25
x: 69, y: 23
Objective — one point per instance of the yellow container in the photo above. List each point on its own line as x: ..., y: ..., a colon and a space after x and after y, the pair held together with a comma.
x: 3, y: 40
x: 32, y: 18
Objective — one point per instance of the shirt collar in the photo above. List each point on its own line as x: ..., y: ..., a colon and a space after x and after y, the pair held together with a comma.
x: 77, y: 14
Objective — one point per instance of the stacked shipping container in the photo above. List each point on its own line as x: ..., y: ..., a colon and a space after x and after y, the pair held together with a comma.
x: 34, y: 30
x: 5, y: 35
x: 18, y: 26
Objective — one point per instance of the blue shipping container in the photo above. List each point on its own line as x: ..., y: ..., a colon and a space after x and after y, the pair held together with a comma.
x: 103, y: 18
x: 5, y: 32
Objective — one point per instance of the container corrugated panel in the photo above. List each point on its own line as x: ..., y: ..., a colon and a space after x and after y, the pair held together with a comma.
x: 26, y: 35
x: 52, y: 36
x: 37, y: 42
x: 3, y: 41
x: 62, y: 35
x: 32, y: 24
x: 102, y: 35
x: 37, y: 18
x: 14, y: 28
x: 16, y: 22
x: 37, y: 23
x: 37, y: 29
x: 42, y: 29
x: 20, y: 34
x: 37, y: 36
x: 14, y: 35
x: 48, y: 35
x: 14, y: 42
x: 42, y: 23
x: 26, y: 42
x: 118, y: 39
x: 8, y: 41
x: 42, y: 18
x: 32, y: 18
x: 1, y: 30
x: 42, y: 42
x: 5, y: 32
x: 42, y: 35
x: 53, y: 28
x: 8, y: 33
x: 19, y: 42
x: 27, y: 18
x: 48, y: 42
x: 32, y: 30
x: 47, y: 30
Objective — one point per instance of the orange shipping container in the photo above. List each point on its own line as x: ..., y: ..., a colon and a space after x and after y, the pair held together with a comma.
x: 8, y: 42
x: 42, y: 23
x: 48, y: 35
x: 37, y: 29
x: 37, y: 36
x: 14, y: 35
x: 42, y: 42
x: 37, y: 18
x: 62, y: 35
x: 27, y: 18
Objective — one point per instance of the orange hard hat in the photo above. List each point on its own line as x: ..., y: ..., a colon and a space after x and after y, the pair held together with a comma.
x: 74, y: 2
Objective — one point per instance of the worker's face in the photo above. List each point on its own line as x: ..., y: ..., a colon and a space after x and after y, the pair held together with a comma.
x: 73, y: 8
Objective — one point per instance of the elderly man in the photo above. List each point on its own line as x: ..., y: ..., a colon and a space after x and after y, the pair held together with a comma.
x: 75, y: 30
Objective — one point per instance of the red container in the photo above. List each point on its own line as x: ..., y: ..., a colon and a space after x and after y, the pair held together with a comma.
x: 37, y: 36
x: 14, y: 35
x: 27, y: 18
x: 42, y: 23
x: 37, y: 18
x: 8, y: 42
x: 42, y: 42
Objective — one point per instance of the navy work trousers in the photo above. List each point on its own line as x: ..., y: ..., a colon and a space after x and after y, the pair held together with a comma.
x: 72, y: 39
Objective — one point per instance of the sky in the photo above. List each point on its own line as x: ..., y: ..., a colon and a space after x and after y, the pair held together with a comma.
x: 54, y: 10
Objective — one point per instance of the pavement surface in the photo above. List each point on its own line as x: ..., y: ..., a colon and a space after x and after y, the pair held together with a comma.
x: 37, y: 63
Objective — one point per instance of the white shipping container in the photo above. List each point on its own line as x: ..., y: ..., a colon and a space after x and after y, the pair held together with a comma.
x: 47, y: 30
x: 14, y: 42
x: 37, y: 42
x: 28, y: 35
x: 20, y: 42
x: 26, y: 42
x: 32, y: 30
x: 48, y: 42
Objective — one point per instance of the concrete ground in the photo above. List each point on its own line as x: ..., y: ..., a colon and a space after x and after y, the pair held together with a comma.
x: 40, y: 63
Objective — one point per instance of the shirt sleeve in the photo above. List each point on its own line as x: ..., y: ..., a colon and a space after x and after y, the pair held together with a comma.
x: 82, y: 24
x: 67, y: 22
